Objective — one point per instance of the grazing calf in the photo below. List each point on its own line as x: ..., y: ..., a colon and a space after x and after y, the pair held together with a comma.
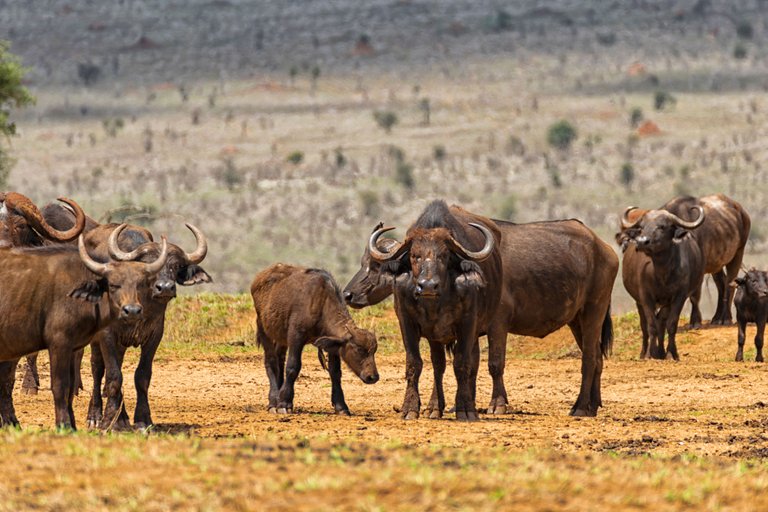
x: 752, y: 306
x: 295, y: 306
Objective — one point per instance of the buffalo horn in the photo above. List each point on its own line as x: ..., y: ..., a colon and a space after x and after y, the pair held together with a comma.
x: 625, y: 222
x: 27, y: 208
x: 689, y: 224
x: 201, y: 250
x: 482, y: 253
x: 157, y: 265
x: 92, y: 265
x: 114, y: 248
x: 376, y: 254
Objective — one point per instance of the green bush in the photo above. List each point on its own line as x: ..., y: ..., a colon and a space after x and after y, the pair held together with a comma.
x: 635, y: 117
x: 627, y: 174
x: 561, y: 134
x: 386, y: 119
x: 438, y: 152
x: 662, y: 99
x: 740, y: 52
x: 744, y: 30
x: 296, y: 157
x: 404, y: 175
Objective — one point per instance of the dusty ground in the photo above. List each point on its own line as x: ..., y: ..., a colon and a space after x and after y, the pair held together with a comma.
x: 672, y: 435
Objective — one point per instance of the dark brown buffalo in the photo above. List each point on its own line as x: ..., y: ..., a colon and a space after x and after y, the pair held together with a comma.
x: 722, y: 239
x: 447, y: 285
x: 751, y: 306
x: 296, y: 306
x: 56, y: 298
x: 108, y: 347
x: 662, y: 268
x: 554, y: 274
x: 23, y: 225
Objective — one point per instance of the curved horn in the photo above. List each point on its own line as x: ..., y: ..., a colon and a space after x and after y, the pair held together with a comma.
x: 376, y: 254
x: 201, y: 250
x: 92, y: 265
x: 114, y: 249
x: 482, y: 253
x: 689, y: 224
x: 27, y: 208
x: 157, y: 265
x: 625, y: 222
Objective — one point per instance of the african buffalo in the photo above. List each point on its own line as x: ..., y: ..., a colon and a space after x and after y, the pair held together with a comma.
x: 751, y: 306
x: 663, y: 267
x: 721, y: 238
x: 108, y: 347
x: 295, y: 306
x: 56, y: 298
x: 554, y: 274
x: 447, y: 285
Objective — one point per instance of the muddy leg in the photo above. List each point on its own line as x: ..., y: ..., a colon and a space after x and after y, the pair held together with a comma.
x: 413, y: 367
x: 759, y: 340
x: 142, y: 417
x: 96, y: 406
x: 696, y: 321
x: 272, y: 366
x: 7, y: 380
x: 31, y: 382
x: 61, y: 384
x: 78, y: 382
x: 645, y: 352
x: 741, y: 337
x: 115, y: 416
x: 590, y: 322
x: 497, y: 353
x: 292, y: 370
x: 436, y: 404
x: 337, y: 394
x: 463, y: 366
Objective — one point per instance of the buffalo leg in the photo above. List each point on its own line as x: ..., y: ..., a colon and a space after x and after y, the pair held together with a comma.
x: 292, y: 370
x: 273, y: 367
x: 7, y: 380
x: 115, y: 416
x: 464, y: 361
x: 696, y: 320
x: 61, y: 383
x: 78, y: 382
x: 722, y: 313
x: 589, y: 323
x: 96, y: 405
x: 671, y: 320
x: 497, y: 353
x: 759, y: 340
x: 732, y: 271
x: 337, y: 394
x: 644, y: 349
x: 142, y: 417
x: 741, y: 337
x: 660, y: 326
x: 436, y: 404
x: 413, y: 367
x: 31, y: 382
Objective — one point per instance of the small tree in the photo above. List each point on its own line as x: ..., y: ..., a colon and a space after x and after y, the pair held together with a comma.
x: 740, y: 52
x: 744, y: 30
x: 404, y: 175
x: 296, y: 157
x: 386, y: 119
x: 426, y: 110
x: 661, y: 99
x: 561, y: 134
x: 13, y: 95
x: 627, y: 175
x: 635, y: 117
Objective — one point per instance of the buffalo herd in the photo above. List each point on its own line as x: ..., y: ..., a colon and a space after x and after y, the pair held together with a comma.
x: 456, y: 276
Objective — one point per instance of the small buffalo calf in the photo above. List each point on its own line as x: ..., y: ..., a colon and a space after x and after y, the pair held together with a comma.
x: 752, y: 306
x: 295, y: 306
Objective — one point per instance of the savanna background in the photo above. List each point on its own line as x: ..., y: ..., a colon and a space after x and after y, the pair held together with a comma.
x: 287, y: 130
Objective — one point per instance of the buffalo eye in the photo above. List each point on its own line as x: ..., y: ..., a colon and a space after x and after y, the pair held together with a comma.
x: 114, y: 287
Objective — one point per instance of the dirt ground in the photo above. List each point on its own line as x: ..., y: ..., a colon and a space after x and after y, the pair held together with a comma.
x: 704, y: 404
x: 672, y: 435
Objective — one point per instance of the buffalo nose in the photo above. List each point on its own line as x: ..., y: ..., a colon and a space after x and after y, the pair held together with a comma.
x: 427, y: 286
x: 347, y: 296
x: 372, y: 379
x: 642, y: 240
x: 131, y: 310
x: 165, y: 287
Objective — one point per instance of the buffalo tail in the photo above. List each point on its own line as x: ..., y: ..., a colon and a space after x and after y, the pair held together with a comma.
x: 606, y: 336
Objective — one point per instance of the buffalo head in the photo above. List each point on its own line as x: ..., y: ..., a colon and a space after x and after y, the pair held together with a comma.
x: 754, y: 284
x: 123, y: 281
x: 357, y: 348
x: 655, y: 230
x: 436, y: 260
x: 180, y: 267
x: 371, y: 284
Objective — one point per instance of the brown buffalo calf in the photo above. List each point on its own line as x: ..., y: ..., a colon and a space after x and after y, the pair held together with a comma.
x: 295, y: 306
x: 752, y: 306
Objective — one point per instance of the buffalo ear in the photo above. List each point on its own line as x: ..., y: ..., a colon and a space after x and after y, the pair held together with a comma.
x: 680, y: 234
x: 471, y: 276
x: 89, y: 291
x: 330, y: 345
x: 193, y: 274
x: 740, y: 280
x: 396, y: 267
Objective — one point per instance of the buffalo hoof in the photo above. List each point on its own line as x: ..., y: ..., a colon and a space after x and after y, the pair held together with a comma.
x: 10, y: 422
x: 28, y: 391
x: 272, y: 410
x: 411, y: 415
x: 672, y: 356
x: 93, y: 424
x: 498, y: 406
x: 343, y: 412
x: 284, y: 410
x: 759, y: 358
x: 467, y: 416
x: 435, y: 414
x: 583, y: 413
x: 696, y: 325
x: 739, y: 358
x: 142, y: 427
